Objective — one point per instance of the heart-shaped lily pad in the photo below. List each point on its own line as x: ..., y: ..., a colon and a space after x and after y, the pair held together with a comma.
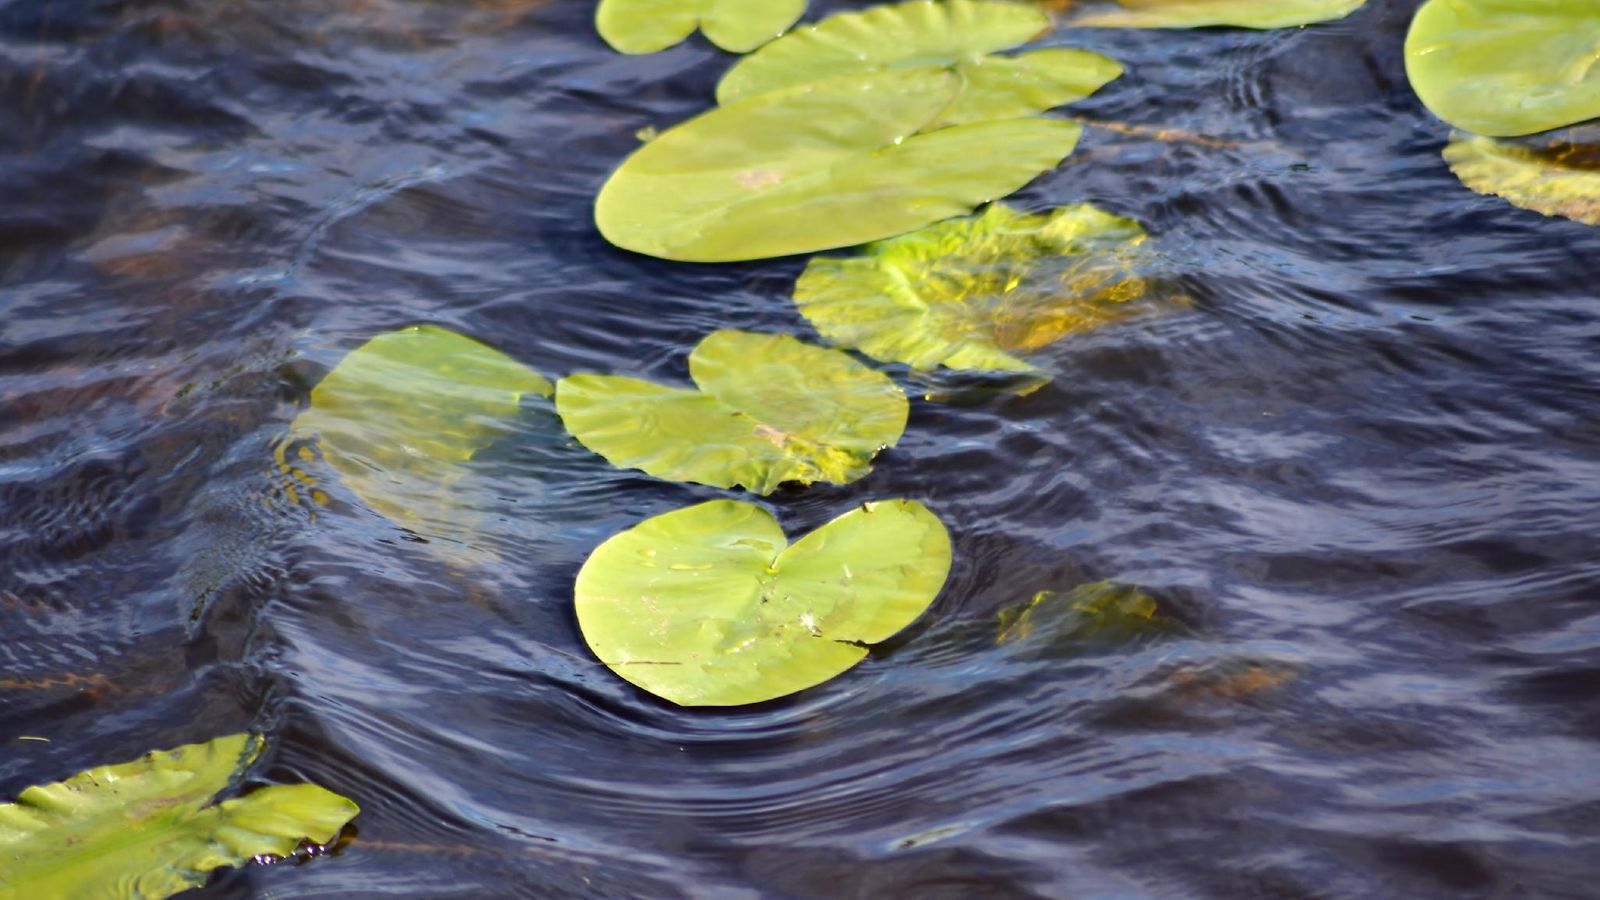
x: 146, y: 829
x: 1203, y: 13
x: 969, y: 293
x: 1562, y: 179
x: 959, y: 34
x: 646, y: 26
x: 709, y: 606
x: 401, y: 416
x: 1507, y: 67
x: 823, y: 164
x: 769, y: 409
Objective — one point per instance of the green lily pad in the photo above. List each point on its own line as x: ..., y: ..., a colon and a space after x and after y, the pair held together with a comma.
x: 711, y: 606
x: 739, y: 26
x: 1507, y: 67
x: 401, y: 416
x: 969, y: 293
x: 959, y: 34
x: 820, y: 165
x: 769, y: 409
x: 1559, y: 180
x: 145, y: 829
x: 1104, y: 611
x: 1204, y: 13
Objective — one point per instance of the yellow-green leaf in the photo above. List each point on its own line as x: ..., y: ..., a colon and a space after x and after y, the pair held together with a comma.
x: 1558, y: 180
x: 1507, y: 67
x: 739, y: 26
x: 819, y: 165
x: 970, y: 293
x: 1103, y: 611
x: 769, y: 409
x: 710, y: 606
x: 144, y: 829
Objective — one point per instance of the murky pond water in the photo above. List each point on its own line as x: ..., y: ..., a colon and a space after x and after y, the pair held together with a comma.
x: 1362, y: 466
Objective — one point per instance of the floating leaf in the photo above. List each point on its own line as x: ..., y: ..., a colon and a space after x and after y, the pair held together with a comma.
x: 1203, y: 13
x: 823, y: 164
x: 1559, y: 181
x: 968, y: 293
x: 1507, y: 67
x: 646, y: 26
x: 143, y: 829
x: 401, y: 416
x: 708, y: 606
x: 1103, y: 611
x: 958, y: 34
x: 769, y: 409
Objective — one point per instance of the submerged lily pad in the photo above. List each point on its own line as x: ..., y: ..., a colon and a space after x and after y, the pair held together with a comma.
x: 959, y: 34
x: 646, y: 26
x: 402, y: 415
x: 1507, y: 67
x: 1562, y: 180
x: 819, y: 165
x: 710, y: 605
x: 1102, y: 611
x: 145, y: 829
x: 1204, y: 13
x: 971, y: 292
x: 769, y: 409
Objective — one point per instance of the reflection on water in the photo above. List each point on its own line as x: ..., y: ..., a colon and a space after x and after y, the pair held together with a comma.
x: 1362, y: 469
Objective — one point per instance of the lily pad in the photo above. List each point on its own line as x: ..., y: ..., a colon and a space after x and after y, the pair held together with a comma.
x: 710, y: 605
x: 739, y: 26
x: 402, y: 415
x: 145, y: 829
x: 769, y: 409
x: 1507, y: 67
x: 1261, y: 14
x: 959, y: 34
x: 823, y: 164
x: 1103, y: 611
x: 970, y: 293
x: 1560, y: 180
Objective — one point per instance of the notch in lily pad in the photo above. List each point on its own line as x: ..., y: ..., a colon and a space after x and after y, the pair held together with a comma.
x: 972, y: 293
x: 961, y: 35
x: 711, y: 606
x: 1557, y: 177
x: 768, y: 409
x: 401, y: 417
x: 820, y: 165
x: 149, y: 828
x: 1506, y: 69
x: 738, y: 26
x: 1259, y: 14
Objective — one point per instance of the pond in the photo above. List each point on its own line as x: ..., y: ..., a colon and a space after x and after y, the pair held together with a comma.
x: 1357, y: 469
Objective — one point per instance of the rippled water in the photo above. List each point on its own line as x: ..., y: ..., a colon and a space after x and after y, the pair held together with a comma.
x: 1362, y: 466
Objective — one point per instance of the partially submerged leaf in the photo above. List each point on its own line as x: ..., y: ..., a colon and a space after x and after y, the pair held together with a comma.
x: 769, y: 409
x: 646, y: 26
x: 1102, y: 611
x: 710, y: 606
x: 819, y: 165
x: 1563, y: 180
x: 144, y: 829
x: 1204, y: 13
x: 1507, y: 67
x: 958, y: 34
x: 402, y: 415
x: 969, y: 293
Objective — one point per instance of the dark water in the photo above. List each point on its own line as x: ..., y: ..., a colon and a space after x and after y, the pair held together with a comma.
x: 1363, y: 467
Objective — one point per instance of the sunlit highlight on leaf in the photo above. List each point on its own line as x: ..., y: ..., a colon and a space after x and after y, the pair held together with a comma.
x: 1561, y: 180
